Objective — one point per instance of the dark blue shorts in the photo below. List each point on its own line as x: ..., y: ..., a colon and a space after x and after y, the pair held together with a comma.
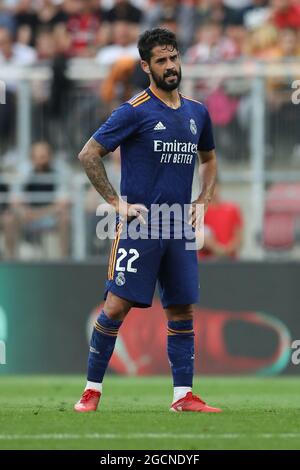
x: 136, y: 265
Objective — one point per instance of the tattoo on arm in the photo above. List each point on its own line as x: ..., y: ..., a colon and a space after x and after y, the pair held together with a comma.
x: 91, y: 159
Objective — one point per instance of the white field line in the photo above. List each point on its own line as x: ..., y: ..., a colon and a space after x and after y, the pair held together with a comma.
x: 203, y: 436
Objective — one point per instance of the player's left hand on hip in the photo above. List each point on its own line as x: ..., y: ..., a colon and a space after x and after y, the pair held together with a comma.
x: 196, y: 214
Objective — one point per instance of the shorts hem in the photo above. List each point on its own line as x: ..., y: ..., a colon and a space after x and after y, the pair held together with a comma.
x: 136, y: 302
x: 188, y: 302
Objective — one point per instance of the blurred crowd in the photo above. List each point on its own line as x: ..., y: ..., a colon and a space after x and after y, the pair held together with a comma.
x: 106, y: 31
x: 208, y: 30
x: 53, y: 32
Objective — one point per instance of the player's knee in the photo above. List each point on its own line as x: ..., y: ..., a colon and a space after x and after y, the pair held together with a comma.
x: 115, y: 314
x: 180, y: 313
x: 116, y: 308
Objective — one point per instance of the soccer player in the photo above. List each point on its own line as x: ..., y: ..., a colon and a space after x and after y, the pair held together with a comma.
x: 161, y: 133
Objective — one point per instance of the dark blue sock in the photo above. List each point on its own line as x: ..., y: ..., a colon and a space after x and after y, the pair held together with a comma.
x: 181, y: 352
x: 102, y: 345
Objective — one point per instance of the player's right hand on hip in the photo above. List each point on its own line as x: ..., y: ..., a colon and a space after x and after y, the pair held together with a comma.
x: 128, y: 211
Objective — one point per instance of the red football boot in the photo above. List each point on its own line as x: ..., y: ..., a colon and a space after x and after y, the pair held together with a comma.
x: 193, y: 403
x: 88, y: 401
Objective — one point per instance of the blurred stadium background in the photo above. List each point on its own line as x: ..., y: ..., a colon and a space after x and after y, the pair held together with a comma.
x: 64, y: 66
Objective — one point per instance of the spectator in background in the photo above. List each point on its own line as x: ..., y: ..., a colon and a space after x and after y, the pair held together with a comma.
x: 50, y: 21
x: 118, y: 85
x: 11, y: 54
x: 124, y: 10
x: 223, y: 229
x: 217, y: 11
x: 26, y: 22
x: 288, y: 46
x: 124, y: 40
x: 236, y: 10
x: 237, y: 35
x: 31, y: 17
x: 257, y: 14
x: 169, y: 23
x: 285, y: 13
x: 48, y: 178
x: 83, y: 25
x: 211, y: 45
x: 280, y: 108
x: 7, y: 19
x: 262, y: 42
x: 122, y: 59
x: 177, y: 12
x: 237, y: 4
x: 45, y: 45
x: 278, y: 88
x: 50, y: 15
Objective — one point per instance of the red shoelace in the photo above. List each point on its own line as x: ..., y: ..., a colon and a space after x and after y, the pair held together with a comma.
x: 190, y: 396
x: 87, y: 395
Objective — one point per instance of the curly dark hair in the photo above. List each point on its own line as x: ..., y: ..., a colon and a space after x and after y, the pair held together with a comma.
x: 155, y: 37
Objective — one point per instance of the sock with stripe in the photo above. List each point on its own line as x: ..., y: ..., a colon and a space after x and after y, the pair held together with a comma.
x: 101, y: 348
x: 181, y: 356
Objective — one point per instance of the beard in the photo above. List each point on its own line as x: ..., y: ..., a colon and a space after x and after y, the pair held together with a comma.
x: 161, y: 82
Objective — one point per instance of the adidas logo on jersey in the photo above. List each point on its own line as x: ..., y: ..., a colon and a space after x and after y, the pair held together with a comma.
x: 159, y: 126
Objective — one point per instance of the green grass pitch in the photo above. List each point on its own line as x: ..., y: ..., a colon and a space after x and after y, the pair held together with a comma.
x: 37, y: 413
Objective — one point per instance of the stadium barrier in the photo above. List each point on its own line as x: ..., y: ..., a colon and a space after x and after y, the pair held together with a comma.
x: 245, y: 322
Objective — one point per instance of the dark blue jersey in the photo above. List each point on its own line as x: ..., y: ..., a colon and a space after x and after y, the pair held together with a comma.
x: 158, y: 147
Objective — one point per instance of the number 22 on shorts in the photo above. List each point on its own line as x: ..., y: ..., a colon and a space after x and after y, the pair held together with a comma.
x: 131, y: 257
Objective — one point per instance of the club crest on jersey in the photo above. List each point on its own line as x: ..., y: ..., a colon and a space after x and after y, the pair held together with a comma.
x: 193, y: 126
x: 120, y: 279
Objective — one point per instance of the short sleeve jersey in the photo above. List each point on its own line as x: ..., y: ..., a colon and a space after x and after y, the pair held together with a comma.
x: 158, y: 145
